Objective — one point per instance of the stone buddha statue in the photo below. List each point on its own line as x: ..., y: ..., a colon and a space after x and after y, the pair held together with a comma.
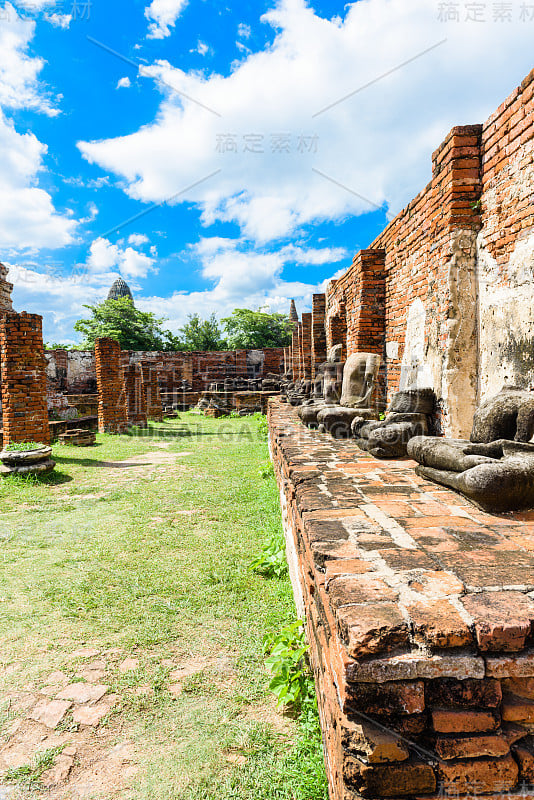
x: 359, y: 378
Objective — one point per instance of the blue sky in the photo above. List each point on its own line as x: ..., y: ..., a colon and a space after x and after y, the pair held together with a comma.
x: 204, y: 150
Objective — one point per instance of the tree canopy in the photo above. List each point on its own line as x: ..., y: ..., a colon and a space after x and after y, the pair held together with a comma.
x: 141, y: 330
x: 132, y: 328
x: 201, y: 334
x: 248, y: 329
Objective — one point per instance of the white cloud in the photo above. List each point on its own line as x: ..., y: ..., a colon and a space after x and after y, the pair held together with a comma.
x: 59, y: 20
x: 164, y: 14
x: 104, y: 256
x: 202, y: 48
x: 377, y: 144
x: 28, y: 219
x: 138, y: 239
x: 244, y: 30
x: 34, y: 5
x: 124, y: 83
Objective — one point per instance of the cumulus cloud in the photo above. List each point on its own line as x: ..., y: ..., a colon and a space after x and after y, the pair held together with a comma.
x: 124, y: 83
x: 163, y: 14
x: 138, y: 239
x: 59, y: 20
x: 105, y: 256
x: 28, y: 219
x: 374, y: 147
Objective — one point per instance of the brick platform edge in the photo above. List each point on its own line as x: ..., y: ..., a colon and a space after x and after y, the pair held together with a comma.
x: 419, y: 618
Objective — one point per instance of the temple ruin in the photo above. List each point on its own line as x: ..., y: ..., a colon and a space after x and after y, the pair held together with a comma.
x: 418, y: 603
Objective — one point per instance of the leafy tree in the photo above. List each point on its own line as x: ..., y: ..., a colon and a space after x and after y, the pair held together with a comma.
x: 248, y: 329
x: 201, y: 334
x: 121, y: 320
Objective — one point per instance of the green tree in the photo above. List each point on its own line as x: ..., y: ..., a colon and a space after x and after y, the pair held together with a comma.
x: 121, y: 320
x: 248, y: 329
x: 201, y: 334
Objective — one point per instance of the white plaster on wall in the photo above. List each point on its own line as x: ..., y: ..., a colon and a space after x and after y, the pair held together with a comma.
x: 415, y: 373
x: 506, y: 319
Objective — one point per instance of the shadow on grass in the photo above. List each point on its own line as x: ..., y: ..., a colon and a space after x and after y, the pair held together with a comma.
x: 54, y: 478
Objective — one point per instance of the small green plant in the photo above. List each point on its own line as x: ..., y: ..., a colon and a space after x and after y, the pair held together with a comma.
x: 267, y: 472
x: 263, y: 428
x: 29, y: 775
x: 477, y: 205
x: 272, y: 563
x: 19, y: 447
x: 291, y: 679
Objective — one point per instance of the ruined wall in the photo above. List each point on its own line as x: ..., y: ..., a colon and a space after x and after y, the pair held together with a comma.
x: 5, y: 290
x: 135, y: 395
x: 23, y: 379
x: 74, y: 371
x: 458, y: 272
x: 505, y: 245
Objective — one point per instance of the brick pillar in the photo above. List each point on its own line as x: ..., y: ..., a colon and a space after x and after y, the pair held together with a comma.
x: 154, y: 407
x: 318, y: 332
x: 300, y: 356
x: 307, y: 346
x: 366, y: 324
x: 112, y: 417
x: 135, y: 395
x: 295, y: 354
x: 23, y: 372
x: 338, y: 330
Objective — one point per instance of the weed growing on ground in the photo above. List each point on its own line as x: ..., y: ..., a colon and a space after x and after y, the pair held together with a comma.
x: 291, y: 680
x: 272, y: 563
x: 29, y: 775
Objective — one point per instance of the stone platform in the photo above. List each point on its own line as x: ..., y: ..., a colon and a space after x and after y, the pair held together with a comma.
x: 420, y: 620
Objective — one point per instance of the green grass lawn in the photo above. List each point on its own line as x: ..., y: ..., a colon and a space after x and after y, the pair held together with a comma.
x: 149, y: 560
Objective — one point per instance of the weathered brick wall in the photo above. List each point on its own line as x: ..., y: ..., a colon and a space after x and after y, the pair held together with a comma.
x: 419, y: 616
x: 307, y: 345
x: 5, y: 290
x: 505, y: 246
x: 318, y: 331
x: 134, y: 390
x: 74, y: 372
x: 112, y: 415
x: 152, y: 392
x: 458, y: 271
x: 22, y: 362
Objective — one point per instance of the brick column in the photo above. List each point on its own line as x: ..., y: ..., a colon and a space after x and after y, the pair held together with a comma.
x: 112, y: 417
x: 307, y: 346
x: 135, y: 395
x: 300, y: 356
x: 338, y: 330
x: 295, y: 354
x: 23, y: 373
x: 366, y: 325
x: 154, y: 407
x: 318, y: 332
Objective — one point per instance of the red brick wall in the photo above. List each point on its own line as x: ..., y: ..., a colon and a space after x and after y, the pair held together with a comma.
x: 318, y: 331
x: 458, y: 275
x: 112, y: 416
x: 24, y: 406
x: 307, y: 345
x: 154, y: 407
x: 135, y: 395
x: 506, y: 243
